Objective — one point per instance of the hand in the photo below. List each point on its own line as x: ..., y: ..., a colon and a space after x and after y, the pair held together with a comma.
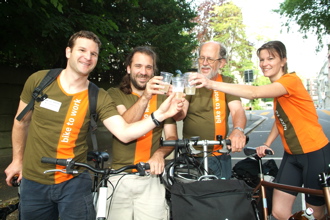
x: 261, y: 150
x: 170, y: 107
x: 157, y: 164
x: 12, y: 170
x: 238, y: 140
x: 170, y: 91
x: 153, y: 86
x: 200, y: 80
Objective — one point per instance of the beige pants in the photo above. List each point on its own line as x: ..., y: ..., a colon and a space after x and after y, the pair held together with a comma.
x: 137, y: 198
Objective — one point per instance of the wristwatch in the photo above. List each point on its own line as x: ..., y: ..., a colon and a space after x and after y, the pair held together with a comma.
x: 240, y: 129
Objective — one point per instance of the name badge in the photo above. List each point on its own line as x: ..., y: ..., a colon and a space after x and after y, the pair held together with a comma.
x: 51, y: 104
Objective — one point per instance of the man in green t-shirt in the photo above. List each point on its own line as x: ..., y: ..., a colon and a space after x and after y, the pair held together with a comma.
x: 136, y: 97
x: 206, y: 113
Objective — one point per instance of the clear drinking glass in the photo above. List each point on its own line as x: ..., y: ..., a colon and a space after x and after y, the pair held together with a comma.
x: 189, y: 89
x: 167, y: 77
x: 178, y: 86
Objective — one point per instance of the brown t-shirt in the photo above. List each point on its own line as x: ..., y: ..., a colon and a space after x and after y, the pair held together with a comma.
x: 200, y: 117
x: 58, y: 128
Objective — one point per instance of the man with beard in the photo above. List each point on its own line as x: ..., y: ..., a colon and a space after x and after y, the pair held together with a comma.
x: 206, y: 114
x: 136, y: 197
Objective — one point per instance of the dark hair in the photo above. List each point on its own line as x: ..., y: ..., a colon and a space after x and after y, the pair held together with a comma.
x: 84, y: 34
x: 275, y: 47
x: 125, y: 84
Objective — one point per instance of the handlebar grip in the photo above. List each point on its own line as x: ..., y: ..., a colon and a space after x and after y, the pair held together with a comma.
x: 147, y: 166
x: 50, y: 160
x: 169, y: 143
x: 248, y: 151
x: 228, y: 141
x: 268, y: 152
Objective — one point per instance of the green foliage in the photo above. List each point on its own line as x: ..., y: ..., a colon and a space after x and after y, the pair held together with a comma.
x: 35, y: 33
x: 229, y: 29
x: 311, y: 15
x: 162, y: 24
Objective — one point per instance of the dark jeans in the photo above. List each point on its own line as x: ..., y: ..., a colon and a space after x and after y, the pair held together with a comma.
x: 71, y: 199
x: 219, y: 165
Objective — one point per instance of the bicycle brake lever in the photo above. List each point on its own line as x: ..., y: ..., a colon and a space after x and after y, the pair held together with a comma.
x: 55, y: 170
x: 62, y: 171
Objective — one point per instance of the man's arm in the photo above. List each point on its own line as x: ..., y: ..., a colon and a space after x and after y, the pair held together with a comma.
x: 237, y: 137
x: 136, y: 111
x: 128, y: 132
x: 19, y: 136
x: 157, y: 161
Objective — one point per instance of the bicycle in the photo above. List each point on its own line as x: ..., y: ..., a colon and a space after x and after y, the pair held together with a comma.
x: 260, y: 193
x: 185, y: 158
x: 100, y: 188
x: 193, y: 187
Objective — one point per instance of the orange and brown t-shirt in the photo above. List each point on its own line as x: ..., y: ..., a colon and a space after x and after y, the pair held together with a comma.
x: 296, y: 118
x: 58, y: 128
x: 208, y: 113
x: 142, y: 149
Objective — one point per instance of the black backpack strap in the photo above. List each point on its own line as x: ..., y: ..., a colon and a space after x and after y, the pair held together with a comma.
x: 93, y: 91
x: 37, y: 92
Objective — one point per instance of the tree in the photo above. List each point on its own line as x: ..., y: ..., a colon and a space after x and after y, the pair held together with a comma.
x: 203, y: 30
x: 162, y: 24
x: 35, y: 32
x: 229, y: 29
x: 311, y: 15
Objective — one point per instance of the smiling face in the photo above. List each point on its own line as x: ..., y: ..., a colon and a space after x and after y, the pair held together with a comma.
x: 141, y: 70
x: 271, y: 64
x: 210, y: 50
x: 83, y: 56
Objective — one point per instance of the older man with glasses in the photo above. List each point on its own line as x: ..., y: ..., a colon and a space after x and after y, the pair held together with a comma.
x: 206, y: 114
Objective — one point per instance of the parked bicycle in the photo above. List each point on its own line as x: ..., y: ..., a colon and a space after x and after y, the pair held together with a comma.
x: 260, y: 193
x: 184, y: 167
x: 195, y: 193
x: 100, y: 188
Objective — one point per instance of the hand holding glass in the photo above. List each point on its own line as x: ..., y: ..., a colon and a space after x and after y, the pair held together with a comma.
x: 167, y: 77
x: 178, y: 86
x: 189, y: 89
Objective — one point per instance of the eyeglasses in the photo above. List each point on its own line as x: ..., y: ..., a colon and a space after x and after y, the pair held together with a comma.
x: 208, y: 60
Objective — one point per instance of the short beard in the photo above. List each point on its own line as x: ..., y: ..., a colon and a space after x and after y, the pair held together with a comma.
x: 211, y: 75
x: 135, y: 83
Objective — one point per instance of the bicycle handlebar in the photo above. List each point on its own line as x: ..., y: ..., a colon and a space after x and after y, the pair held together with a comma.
x: 62, y: 162
x: 194, y: 141
x: 69, y: 164
x: 251, y: 151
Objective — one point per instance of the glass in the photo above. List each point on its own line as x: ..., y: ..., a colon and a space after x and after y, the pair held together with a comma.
x: 167, y: 77
x: 189, y: 89
x: 208, y: 60
x: 178, y: 86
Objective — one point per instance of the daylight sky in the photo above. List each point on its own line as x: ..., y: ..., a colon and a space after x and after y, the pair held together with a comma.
x: 260, y: 20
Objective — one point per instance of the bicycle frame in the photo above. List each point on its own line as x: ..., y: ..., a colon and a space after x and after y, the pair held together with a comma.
x: 323, y: 177
x: 186, y: 146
